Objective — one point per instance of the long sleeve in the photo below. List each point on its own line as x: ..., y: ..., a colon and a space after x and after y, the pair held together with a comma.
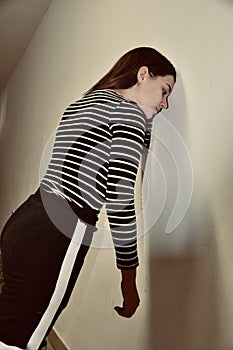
x: 128, y: 134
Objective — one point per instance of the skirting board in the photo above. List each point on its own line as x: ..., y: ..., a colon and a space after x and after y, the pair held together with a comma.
x: 55, y: 341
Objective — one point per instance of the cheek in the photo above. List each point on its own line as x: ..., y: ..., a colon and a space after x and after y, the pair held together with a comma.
x: 157, y: 93
x: 152, y: 95
x: 157, y: 97
x: 148, y: 95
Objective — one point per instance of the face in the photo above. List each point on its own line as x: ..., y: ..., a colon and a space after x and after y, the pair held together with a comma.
x: 153, y: 92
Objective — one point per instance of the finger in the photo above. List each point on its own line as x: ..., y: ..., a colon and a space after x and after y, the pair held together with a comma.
x: 119, y: 310
x: 124, y: 312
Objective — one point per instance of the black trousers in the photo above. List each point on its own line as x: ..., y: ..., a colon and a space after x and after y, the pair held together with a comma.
x: 35, y: 251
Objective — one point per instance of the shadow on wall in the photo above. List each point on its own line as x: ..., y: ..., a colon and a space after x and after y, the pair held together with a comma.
x: 184, y: 305
x: 183, y: 266
x: 228, y: 1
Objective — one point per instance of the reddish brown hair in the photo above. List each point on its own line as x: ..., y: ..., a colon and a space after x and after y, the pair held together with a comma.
x: 124, y: 73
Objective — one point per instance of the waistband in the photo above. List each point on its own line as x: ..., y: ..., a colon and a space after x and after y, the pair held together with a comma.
x: 50, y: 200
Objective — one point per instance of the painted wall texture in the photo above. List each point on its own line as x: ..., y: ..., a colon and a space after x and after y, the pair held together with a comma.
x: 185, y: 277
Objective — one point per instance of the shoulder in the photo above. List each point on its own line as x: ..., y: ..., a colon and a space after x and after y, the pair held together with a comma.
x: 129, y: 113
x: 102, y: 97
x: 100, y: 103
x: 99, y: 100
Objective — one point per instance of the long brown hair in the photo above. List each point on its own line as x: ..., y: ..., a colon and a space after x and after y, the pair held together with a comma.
x: 124, y: 73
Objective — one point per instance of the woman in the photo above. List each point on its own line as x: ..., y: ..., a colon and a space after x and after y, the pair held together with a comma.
x: 95, y: 159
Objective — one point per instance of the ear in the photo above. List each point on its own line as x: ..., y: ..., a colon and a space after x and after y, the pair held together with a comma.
x: 142, y: 73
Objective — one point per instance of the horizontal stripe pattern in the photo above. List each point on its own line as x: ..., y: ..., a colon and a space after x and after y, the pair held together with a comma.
x: 95, y: 159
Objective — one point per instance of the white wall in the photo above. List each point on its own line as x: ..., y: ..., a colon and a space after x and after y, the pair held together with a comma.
x: 185, y: 278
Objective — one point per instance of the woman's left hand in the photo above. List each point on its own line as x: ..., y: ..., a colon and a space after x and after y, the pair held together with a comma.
x: 130, y: 294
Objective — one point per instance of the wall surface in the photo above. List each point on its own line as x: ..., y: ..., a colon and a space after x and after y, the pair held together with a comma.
x: 185, y: 277
x: 18, y: 21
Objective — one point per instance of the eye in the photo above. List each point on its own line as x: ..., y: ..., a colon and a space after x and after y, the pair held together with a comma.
x: 164, y: 92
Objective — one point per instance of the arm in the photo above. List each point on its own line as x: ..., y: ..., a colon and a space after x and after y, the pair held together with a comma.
x: 126, y: 149
x: 148, y: 125
x: 147, y: 144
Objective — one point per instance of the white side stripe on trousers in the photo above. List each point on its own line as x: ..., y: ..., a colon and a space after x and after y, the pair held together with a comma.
x: 62, y: 282
x: 60, y: 289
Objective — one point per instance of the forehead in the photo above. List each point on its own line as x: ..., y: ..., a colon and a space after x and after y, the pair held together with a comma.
x: 167, y: 79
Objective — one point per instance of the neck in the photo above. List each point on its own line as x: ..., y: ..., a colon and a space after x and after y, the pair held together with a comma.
x: 128, y: 94
x: 131, y: 94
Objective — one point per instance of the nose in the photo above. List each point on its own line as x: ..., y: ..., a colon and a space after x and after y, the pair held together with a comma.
x: 164, y: 103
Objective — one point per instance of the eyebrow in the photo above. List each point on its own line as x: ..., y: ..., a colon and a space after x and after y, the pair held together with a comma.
x: 170, y: 89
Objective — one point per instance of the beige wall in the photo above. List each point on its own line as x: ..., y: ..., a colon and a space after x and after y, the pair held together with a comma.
x: 185, y: 278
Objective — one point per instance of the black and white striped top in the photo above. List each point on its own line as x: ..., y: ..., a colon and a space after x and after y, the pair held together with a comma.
x: 96, y: 154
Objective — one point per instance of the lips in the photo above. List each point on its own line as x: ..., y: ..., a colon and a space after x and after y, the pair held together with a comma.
x: 158, y: 110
